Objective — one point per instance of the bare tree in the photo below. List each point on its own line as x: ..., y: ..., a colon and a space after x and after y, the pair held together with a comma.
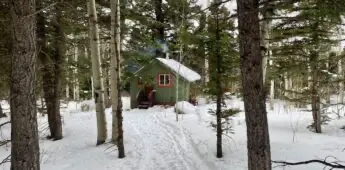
x: 97, y: 73
x: 24, y: 135
x: 258, y: 144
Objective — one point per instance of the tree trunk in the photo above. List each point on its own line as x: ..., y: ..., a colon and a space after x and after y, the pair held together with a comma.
x: 159, y: 32
x: 272, y: 90
x: 96, y: 73
x: 24, y: 133
x: 51, y: 71
x: 315, y: 98
x: 219, y: 89
x: 78, y: 51
x: 258, y: 144
x: 105, y: 67
x: 341, y: 82
x: 265, y: 29
x: 117, y: 131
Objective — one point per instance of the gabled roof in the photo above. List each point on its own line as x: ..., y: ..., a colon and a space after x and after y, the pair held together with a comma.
x: 179, y: 68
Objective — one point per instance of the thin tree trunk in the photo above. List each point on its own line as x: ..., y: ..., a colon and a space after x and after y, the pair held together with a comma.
x: 96, y: 73
x: 258, y: 144
x: 117, y: 134
x: 219, y: 89
x: 341, y: 82
x: 75, y: 74
x: 24, y: 132
x: 265, y: 30
x: 105, y: 72
x: 315, y: 98
x: 272, y: 92
x: 59, y: 40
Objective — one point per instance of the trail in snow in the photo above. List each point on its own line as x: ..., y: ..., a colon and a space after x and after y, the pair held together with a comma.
x: 165, y: 145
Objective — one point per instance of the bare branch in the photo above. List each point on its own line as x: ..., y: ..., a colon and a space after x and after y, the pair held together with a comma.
x: 7, y: 159
x: 332, y: 165
x: 8, y: 122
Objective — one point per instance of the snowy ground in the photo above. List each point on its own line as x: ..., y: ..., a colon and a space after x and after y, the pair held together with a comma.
x: 154, y: 140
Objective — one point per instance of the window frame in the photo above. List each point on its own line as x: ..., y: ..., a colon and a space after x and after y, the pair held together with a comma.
x: 165, y: 84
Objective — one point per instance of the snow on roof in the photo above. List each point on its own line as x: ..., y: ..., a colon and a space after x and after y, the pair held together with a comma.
x: 179, y: 68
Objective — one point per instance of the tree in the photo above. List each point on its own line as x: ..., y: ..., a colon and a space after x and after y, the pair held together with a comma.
x: 96, y: 73
x: 258, y: 144
x: 117, y: 130
x: 51, y: 67
x: 24, y: 132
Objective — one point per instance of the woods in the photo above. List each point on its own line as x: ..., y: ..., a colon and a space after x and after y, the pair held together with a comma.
x: 69, y: 70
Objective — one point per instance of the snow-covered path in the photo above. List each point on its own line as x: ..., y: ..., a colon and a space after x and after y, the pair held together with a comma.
x: 163, y: 145
x: 150, y: 142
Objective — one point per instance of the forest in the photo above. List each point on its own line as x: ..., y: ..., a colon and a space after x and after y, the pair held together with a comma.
x: 227, y: 84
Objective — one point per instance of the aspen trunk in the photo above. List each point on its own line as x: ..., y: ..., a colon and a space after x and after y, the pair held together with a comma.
x: 272, y: 90
x: 24, y: 132
x: 258, y: 143
x: 96, y: 73
x: 265, y: 29
x: 117, y: 133
x: 341, y: 82
x: 78, y: 51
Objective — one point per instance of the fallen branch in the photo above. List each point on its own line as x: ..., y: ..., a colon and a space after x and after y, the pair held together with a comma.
x: 2, y: 124
x: 7, y: 159
x: 2, y: 143
x: 331, y: 165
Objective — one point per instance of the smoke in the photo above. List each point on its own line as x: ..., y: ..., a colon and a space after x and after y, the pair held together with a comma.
x: 163, y: 46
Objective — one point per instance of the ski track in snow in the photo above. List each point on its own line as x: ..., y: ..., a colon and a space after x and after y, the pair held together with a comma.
x: 163, y: 145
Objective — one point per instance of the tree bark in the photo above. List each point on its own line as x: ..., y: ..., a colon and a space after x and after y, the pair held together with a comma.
x: 117, y: 130
x: 159, y: 28
x: 24, y: 132
x: 265, y: 29
x: 258, y: 144
x: 219, y: 88
x: 315, y: 98
x: 96, y: 73
x: 51, y: 70
x: 341, y: 82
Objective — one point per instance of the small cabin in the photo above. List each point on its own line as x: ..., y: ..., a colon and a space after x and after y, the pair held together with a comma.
x: 157, y: 82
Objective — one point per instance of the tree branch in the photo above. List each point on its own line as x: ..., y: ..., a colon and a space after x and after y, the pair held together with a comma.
x: 8, y: 122
x: 332, y: 165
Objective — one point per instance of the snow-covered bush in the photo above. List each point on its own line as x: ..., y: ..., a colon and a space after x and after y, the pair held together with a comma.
x: 184, y: 107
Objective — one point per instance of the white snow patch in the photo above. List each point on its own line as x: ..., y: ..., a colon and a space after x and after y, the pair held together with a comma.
x: 182, y: 70
x: 185, y: 107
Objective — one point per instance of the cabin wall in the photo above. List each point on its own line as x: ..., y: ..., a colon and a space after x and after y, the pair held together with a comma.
x: 164, y: 95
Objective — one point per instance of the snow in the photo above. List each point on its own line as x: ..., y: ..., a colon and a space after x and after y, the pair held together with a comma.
x: 185, y: 107
x: 155, y: 140
x: 182, y: 70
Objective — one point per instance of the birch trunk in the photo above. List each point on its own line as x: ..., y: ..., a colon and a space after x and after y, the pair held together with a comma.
x: 265, y: 29
x: 76, y: 81
x: 96, y: 73
x: 272, y: 90
x: 341, y: 82
x: 117, y: 133
x: 25, y: 151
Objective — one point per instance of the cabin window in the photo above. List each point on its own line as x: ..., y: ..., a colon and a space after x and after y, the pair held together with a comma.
x: 164, y: 80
